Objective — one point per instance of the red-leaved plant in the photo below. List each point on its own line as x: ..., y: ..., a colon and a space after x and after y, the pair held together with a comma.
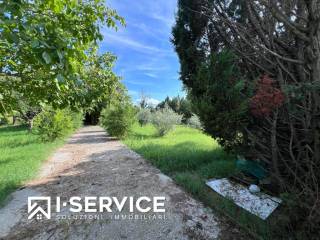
x: 268, y: 97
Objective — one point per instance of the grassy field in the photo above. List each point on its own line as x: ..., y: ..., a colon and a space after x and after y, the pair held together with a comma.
x: 190, y: 158
x: 21, y: 155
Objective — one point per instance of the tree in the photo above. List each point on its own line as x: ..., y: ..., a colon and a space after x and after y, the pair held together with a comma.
x: 223, y: 103
x: 45, y: 44
x: 179, y: 105
x: 98, y: 86
x: 143, y: 102
x: 277, y: 53
x: 165, y: 119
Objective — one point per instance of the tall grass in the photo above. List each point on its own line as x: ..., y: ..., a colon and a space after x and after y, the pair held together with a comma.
x: 21, y: 154
x: 182, y: 150
x: 190, y: 157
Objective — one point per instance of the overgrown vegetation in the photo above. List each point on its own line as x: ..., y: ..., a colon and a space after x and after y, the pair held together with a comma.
x: 252, y: 70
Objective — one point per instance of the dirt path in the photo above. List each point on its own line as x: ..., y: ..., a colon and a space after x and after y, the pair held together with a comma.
x: 93, y: 164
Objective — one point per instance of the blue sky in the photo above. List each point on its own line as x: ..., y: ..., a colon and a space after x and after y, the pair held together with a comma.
x: 146, y: 58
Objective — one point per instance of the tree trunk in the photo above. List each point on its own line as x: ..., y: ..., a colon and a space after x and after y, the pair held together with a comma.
x: 30, y: 124
x: 315, y: 78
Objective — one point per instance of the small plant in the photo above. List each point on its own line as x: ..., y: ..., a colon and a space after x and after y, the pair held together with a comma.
x: 194, y: 122
x: 118, y: 119
x: 165, y: 119
x: 144, y: 116
x: 52, y: 124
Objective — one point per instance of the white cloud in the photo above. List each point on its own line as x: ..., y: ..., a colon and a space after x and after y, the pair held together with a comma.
x: 134, y: 45
x: 147, y: 58
x: 155, y: 33
x: 139, y: 83
x: 167, y: 21
x: 153, y: 102
x: 133, y: 93
x: 160, y: 10
x: 150, y: 102
x: 151, y: 66
x: 151, y: 75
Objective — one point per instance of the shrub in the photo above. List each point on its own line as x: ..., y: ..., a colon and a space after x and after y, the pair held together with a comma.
x: 52, y: 124
x: 165, y: 119
x: 194, y: 122
x: 220, y: 98
x: 77, y: 119
x: 118, y: 119
x: 144, y: 116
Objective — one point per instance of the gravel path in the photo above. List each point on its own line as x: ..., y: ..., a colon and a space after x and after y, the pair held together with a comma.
x: 93, y: 164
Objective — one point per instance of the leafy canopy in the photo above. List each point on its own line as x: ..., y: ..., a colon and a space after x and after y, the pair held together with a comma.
x: 45, y: 45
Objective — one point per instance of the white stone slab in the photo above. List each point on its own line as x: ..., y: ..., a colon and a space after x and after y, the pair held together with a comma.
x: 259, y: 204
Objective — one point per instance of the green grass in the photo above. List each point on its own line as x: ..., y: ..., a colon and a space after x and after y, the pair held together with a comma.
x: 190, y: 157
x: 21, y: 155
x: 182, y: 150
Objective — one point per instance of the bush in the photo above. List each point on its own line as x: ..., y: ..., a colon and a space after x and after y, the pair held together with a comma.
x: 77, y: 119
x: 144, y: 116
x: 220, y: 98
x: 165, y: 119
x: 52, y: 124
x: 194, y: 122
x: 118, y: 119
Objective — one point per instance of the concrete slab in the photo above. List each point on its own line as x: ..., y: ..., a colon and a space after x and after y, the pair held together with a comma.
x: 259, y: 204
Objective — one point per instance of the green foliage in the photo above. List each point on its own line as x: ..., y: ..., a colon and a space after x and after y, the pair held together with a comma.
x: 144, y: 116
x: 53, y: 124
x: 118, y: 119
x: 165, y: 119
x: 219, y: 96
x: 220, y: 99
x: 54, y: 41
x: 77, y: 119
x: 180, y: 105
x: 217, y: 90
x: 99, y: 84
